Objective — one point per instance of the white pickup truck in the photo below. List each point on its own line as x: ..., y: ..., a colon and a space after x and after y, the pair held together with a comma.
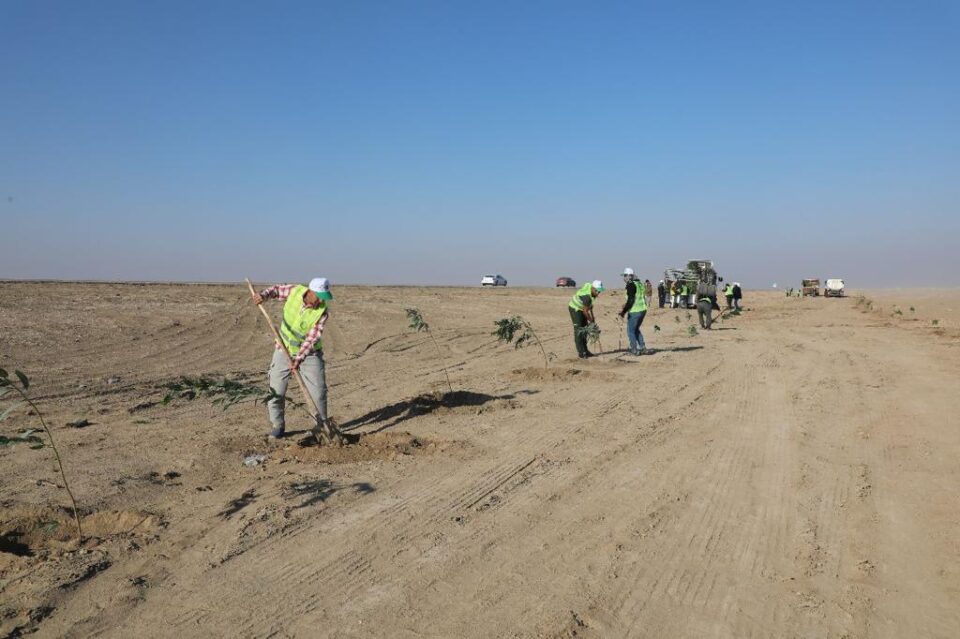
x: 833, y: 288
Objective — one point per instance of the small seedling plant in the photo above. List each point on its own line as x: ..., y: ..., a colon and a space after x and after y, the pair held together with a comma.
x: 519, y: 332
x: 222, y: 392
x: 417, y: 323
x: 20, y: 386
x: 592, y: 334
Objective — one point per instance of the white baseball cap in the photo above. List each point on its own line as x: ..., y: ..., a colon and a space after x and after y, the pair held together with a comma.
x: 597, y: 284
x: 627, y: 271
x: 321, y: 286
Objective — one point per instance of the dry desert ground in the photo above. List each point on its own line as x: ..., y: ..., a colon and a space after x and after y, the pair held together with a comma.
x: 792, y: 473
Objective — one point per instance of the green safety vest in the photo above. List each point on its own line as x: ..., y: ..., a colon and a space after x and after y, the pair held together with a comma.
x: 298, y: 320
x: 728, y: 290
x: 684, y: 291
x: 576, y: 303
x: 639, y: 301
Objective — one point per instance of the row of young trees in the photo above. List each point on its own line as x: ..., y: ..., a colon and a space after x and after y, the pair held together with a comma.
x: 226, y: 393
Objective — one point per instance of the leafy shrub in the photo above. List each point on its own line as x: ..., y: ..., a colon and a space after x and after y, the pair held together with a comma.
x: 518, y: 331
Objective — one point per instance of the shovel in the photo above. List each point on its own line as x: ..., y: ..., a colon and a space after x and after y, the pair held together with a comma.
x: 330, y: 432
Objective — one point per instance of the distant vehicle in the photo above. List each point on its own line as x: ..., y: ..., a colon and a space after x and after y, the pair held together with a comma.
x: 809, y: 287
x: 567, y: 282
x: 699, y: 276
x: 493, y: 280
x: 834, y: 288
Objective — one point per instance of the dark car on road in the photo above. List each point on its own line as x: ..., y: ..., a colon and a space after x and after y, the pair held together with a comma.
x: 566, y: 282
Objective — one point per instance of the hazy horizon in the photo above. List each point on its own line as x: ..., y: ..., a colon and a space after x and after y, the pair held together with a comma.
x: 432, y: 143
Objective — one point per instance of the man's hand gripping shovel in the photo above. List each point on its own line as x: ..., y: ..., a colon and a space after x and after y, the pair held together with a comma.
x: 325, y: 429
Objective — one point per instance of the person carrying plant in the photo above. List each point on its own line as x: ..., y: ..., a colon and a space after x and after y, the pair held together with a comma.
x: 305, y: 313
x: 581, y: 314
x: 635, y: 309
x: 728, y: 293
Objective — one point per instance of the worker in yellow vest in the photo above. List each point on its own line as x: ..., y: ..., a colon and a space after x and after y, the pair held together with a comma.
x: 581, y: 314
x: 728, y: 293
x: 684, y: 295
x: 305, y: 313
x: 634, y: 309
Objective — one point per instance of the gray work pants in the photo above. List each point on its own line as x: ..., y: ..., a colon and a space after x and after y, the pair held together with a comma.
x: 314, y: 378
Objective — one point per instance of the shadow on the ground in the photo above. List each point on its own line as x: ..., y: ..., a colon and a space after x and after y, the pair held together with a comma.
x: 238, y: 504
x: 320, y: 490
x: 652, y: 351
x: 401, y: 411
x: 673, y: 349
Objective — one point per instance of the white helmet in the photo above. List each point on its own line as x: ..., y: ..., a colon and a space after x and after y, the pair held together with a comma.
x: 627, y: 271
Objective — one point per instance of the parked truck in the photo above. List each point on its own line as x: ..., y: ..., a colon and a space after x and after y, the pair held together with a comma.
x: 699, y: 276
x: 833, y: 288
x: 810, y: 287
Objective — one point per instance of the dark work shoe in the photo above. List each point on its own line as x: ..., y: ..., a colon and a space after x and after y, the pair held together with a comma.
x: 275, y: 434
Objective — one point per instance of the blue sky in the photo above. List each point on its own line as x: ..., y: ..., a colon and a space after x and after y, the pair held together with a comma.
x: 432, y: 142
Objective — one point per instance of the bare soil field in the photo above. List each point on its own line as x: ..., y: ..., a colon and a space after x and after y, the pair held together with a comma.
x: 792, y: 473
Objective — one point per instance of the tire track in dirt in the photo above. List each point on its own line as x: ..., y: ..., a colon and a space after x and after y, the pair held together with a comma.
x: 432, y: 507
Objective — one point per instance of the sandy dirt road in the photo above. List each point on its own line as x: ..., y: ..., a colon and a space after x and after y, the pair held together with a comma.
x: 792, y: 473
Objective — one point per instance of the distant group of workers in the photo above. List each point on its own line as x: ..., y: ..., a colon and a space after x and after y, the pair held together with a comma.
x: 305, y: 314
x: 639, y: 297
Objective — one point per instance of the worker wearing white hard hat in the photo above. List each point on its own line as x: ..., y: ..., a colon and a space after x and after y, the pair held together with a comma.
x: 305, y: 313
x: 581, y: 314
x: 634, y: 309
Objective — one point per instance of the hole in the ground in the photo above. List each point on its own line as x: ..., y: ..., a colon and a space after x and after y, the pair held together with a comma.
x: 10, y: 543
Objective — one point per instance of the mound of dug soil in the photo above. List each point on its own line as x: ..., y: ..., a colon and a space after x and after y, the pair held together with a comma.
x: 26, y: 531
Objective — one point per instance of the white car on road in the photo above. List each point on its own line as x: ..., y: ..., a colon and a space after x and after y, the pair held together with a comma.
x: 493, y: 280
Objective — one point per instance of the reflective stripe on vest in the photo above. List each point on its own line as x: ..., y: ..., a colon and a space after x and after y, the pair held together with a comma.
x: 576, y: 303
x: 639, y: 302
x: 298, y: 320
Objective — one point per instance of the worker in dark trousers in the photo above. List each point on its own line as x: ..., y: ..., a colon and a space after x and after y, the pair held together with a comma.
x: 661, y: 294
x: 581, y: 314
x: 728, y: 293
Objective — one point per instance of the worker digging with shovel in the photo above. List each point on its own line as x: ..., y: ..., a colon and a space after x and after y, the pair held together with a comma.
x: 305, y: 313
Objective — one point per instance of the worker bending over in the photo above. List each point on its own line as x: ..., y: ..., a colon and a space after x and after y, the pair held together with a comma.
x: 581, y: 314
x: 305, y: 313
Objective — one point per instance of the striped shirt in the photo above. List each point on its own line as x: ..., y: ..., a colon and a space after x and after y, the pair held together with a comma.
x: 282, y: 292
